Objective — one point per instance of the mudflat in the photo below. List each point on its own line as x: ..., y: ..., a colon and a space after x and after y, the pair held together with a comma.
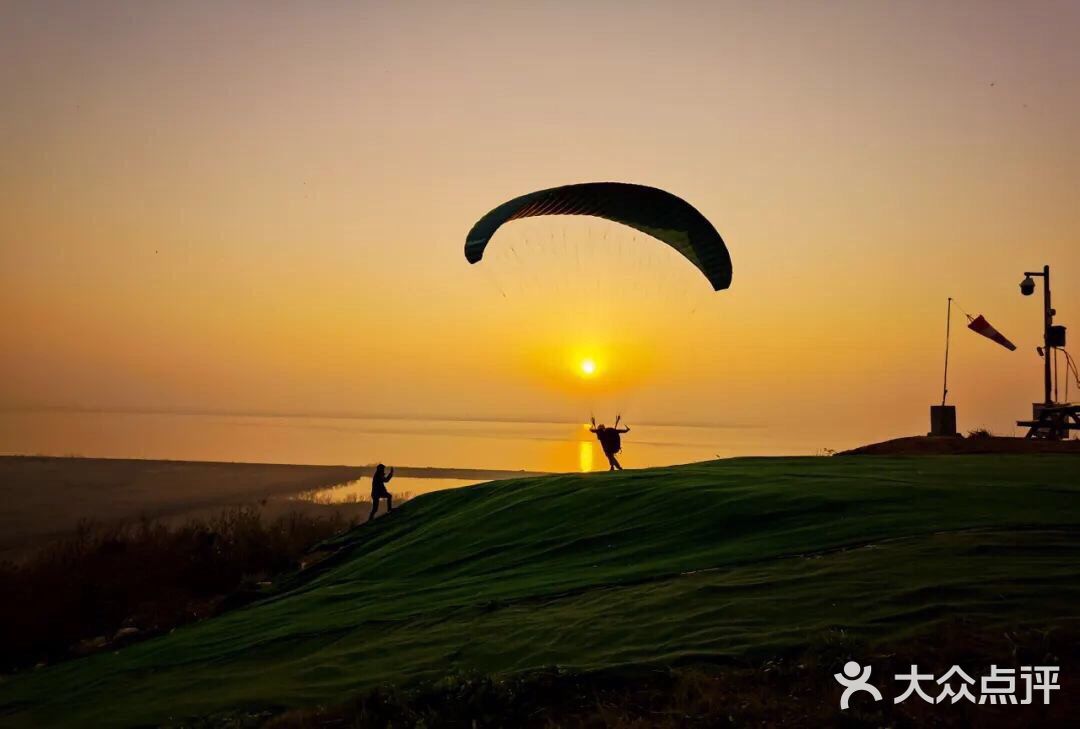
x: 43, y: 497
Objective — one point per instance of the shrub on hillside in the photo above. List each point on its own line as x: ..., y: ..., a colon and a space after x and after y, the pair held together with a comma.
x: 107, y: 585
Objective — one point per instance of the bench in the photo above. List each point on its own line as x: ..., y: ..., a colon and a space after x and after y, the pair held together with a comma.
x: 1053, y: 422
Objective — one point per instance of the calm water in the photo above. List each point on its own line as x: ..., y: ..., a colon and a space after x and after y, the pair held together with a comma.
x: 359, y: 441
x: 401, y: 487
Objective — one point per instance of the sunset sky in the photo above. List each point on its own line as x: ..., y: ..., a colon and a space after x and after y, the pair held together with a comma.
x: 261, y: 207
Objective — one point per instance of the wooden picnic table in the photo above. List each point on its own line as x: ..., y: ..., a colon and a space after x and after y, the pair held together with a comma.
x: 1053, y: 422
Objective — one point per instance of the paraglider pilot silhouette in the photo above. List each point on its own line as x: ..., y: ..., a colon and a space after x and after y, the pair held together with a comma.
x: 610, y: 440
x: 378, y: 490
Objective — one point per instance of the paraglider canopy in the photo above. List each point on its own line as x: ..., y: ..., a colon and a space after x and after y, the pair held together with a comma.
x: 652, y: 211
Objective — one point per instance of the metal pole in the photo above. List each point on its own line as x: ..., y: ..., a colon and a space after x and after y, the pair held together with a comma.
x: 948, y: 326
x: 1057, y: 377
x: 1048, y: 321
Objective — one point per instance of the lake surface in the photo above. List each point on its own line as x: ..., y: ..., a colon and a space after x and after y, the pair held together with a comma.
x: 401, y: 487
x: 536, y: 446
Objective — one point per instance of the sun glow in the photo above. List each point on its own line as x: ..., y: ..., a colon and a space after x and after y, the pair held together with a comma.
x: 588, y: 367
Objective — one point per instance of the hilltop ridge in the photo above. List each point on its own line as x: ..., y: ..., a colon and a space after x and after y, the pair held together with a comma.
x: 719, y: 561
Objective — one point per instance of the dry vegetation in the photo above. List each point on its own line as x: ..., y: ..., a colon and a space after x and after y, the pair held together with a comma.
x: 107, y: 585
x: 44, y: 498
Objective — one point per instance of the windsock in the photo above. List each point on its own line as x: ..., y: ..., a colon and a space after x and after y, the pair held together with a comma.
x: 979, y: 325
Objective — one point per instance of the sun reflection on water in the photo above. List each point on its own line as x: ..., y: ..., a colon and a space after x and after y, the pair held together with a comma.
x: 585, y: 456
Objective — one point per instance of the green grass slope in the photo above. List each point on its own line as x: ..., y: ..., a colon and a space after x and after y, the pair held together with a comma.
x: 724, y: 560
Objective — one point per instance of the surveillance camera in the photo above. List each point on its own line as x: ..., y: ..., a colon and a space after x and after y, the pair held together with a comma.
x: 1027, y: 286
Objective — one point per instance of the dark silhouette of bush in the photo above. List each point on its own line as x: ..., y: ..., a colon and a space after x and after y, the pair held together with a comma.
x: 107, y: 585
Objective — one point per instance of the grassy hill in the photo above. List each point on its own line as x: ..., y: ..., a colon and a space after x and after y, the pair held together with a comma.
x: 734, y: 560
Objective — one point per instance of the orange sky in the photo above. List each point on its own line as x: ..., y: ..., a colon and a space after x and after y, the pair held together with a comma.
x: 262, y: 207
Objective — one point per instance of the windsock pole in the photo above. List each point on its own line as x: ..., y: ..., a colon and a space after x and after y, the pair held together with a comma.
x: 948, y: 327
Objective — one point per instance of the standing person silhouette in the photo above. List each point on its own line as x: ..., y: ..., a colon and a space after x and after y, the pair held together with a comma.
x: 610, y: 441
x: 378, y: 490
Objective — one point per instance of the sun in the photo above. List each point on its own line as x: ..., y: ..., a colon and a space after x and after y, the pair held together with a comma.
x: 588, y: 367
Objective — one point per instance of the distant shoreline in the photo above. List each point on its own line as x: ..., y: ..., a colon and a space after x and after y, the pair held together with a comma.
x: 463, y: 474
x: 43, y: 497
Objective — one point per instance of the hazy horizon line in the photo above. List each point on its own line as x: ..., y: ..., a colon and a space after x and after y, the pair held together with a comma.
x: 347, y: 415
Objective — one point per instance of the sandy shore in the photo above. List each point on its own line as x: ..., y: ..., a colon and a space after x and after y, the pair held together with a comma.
x: 42, y: 497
